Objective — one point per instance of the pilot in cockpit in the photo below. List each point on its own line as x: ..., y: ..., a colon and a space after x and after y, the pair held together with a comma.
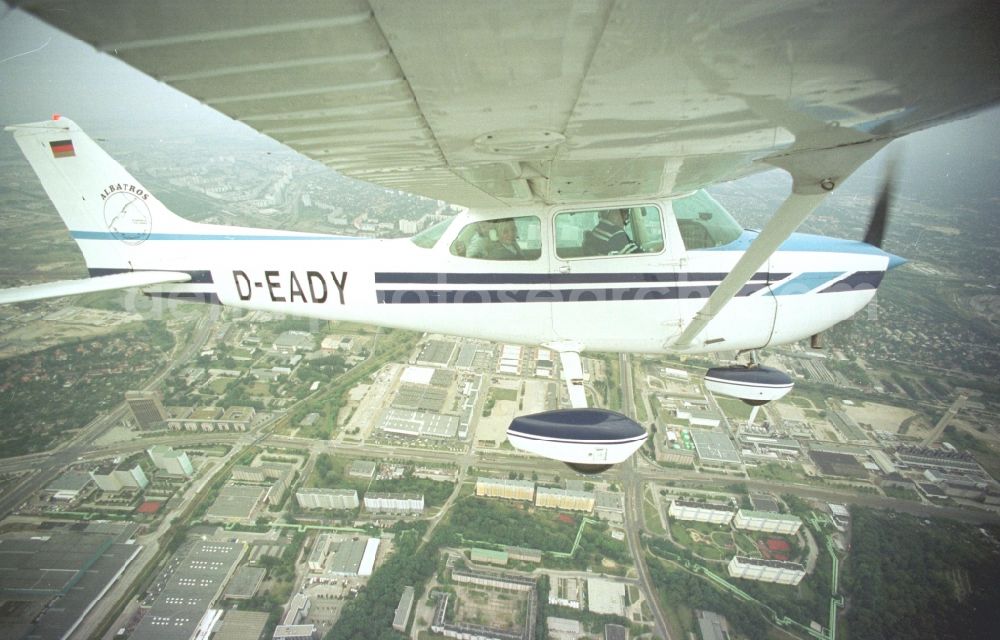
x: 609, y: 236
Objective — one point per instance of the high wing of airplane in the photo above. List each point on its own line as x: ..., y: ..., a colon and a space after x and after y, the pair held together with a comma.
x: 580, y: 132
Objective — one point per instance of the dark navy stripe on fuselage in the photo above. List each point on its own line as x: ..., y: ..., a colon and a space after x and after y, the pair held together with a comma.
x: 561, y: 278
x: 492, y: 296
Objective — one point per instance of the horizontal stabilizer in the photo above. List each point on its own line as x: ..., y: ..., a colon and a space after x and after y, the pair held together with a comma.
x: 90, y: 285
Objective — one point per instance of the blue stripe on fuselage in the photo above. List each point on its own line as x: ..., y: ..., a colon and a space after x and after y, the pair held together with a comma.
x: 805, y: 282
x: 804, y: 242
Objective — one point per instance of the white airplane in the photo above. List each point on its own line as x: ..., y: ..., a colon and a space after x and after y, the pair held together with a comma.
x: 579, y: 134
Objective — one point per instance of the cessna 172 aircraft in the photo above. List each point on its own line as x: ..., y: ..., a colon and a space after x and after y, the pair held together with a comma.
x: 579, y: 133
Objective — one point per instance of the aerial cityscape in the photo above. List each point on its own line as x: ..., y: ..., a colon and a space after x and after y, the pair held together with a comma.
x: 193, y: 471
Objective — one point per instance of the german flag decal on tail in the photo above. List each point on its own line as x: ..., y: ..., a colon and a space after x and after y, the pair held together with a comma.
x: 62, y: 148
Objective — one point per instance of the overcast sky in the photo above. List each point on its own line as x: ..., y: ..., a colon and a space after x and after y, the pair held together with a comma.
x: 43, y: 71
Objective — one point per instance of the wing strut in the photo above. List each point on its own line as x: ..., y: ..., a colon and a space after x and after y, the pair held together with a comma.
x: 814, y: 175
x: 572, y: 372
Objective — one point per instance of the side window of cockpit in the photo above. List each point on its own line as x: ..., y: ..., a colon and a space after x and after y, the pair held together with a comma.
x: 703, y: 223
x: 505, y: 239
x: 609, y: 232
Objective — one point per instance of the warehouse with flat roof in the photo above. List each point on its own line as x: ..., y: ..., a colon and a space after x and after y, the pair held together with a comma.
x: 49, y: 579
x: 235, y: 503
x: 189, y: 590
x: 419, y: 424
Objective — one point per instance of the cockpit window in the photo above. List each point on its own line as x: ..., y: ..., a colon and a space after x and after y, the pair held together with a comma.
x: 703, y: 223
x: 429, y: 236
x: 505, y: 239
x: 608, y: 232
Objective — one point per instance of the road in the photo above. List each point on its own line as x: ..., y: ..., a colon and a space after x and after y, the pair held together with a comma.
x: 47, y: 467
x: 938, y: 429
x: 632, y: 476
x: 633, y: 514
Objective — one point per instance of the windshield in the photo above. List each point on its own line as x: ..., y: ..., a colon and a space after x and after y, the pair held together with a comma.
x: 429, y: 236
x: 703, y: 222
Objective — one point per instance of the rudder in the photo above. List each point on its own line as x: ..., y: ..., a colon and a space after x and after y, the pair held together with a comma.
x: 107, y: 211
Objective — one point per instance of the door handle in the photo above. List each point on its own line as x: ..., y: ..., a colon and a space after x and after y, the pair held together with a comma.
x: 564, y: 269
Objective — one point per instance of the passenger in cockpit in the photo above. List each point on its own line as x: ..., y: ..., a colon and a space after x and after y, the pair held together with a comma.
x: 481, y: 241
x: 505, y: 247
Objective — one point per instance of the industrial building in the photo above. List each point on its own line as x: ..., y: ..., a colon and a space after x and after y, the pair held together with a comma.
x: 172, y: 462
x: 347, y: 557
x: 298, y: 609
x: 563, y: 628
x: 362, y: 469
x: 146, y: 409
x: 248, y: 474
x: 241, y: 625
x: 927, y: 458
x: 475, y: 356
x: 49, y: 579
x: 715, y: 448
x: 605, y: 596
x: 488, y: 556
x: 777, y: 571
x: 566, y: 592
x: 524, y: 554
x: 317, y: 557
x: 700, y: 417
x: 399, y: 503
x: 235, y: 503
x: 505, y: 488
x: 419, y: 424
x: 712, y: 625
x: 436, y: 353
x: 68, y: 486
x: 292, y: 341
x: 469, y: 631
x: 244, y: 583
x: 711, y: 512
x: 564, y: 499
x: 327, y: 498
x: 351, y: 557
x: 112, y: 478
x: 294, y: 632
x: 767, y: 522
x: 505, y: 581
x: 189, y: 590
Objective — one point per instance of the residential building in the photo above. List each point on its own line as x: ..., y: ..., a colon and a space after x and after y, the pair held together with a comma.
x: 762, y: 570
x: 767, y: 522
x: 407, y: 503
x: 403, y: 610
x: 710, y: 512
x: 505, y: 488
x: 327, y: 498
x: 565, y: 499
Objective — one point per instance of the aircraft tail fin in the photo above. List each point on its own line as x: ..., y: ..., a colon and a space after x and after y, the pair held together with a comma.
x: 108, y: 212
